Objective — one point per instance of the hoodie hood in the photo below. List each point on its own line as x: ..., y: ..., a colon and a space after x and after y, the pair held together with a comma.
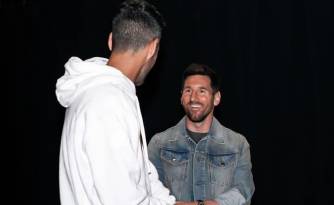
x: 81, y: 75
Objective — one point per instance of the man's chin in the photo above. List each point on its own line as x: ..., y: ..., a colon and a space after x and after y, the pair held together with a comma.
x: 195, y: 118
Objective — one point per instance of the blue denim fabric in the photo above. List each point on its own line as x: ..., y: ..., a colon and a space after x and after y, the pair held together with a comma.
x: 217, y: 167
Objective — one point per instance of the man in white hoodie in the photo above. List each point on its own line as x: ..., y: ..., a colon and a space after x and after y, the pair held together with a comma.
x: 103, y: 155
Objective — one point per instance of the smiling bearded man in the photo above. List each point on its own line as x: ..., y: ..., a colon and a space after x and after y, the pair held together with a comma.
x: 200, y: 160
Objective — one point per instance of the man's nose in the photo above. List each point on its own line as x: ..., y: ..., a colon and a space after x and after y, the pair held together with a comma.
x: 193, y: 96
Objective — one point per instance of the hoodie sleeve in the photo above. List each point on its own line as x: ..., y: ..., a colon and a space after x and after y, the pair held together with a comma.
x: 159, y: 191
x: 113, y: 156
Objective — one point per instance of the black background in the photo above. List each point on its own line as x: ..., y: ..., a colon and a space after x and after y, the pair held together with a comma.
x: 275, y: 59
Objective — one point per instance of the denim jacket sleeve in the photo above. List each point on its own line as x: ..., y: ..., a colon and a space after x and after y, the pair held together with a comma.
x: 243, y: 185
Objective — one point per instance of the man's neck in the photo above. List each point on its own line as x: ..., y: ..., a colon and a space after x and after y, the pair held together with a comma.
x: 129, y: 63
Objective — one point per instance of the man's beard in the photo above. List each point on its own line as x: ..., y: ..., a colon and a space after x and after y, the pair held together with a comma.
x: 197, y: 118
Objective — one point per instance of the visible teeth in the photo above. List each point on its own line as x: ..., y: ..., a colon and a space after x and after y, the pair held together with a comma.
x: 195, y: 106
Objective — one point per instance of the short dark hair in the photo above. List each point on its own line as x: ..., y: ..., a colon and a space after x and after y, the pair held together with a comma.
x: 201, y: 69
x: 137, y: 23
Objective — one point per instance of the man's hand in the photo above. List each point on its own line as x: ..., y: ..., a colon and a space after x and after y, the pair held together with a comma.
x: 210, y: 202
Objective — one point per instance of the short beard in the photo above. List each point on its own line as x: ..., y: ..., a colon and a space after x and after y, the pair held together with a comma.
x: 195, y: 119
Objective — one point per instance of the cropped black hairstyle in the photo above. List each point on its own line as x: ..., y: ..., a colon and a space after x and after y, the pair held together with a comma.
x: 137, y: 23
x: 201, y: 69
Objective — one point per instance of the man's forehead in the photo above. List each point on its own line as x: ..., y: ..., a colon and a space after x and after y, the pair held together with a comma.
x: 198, y: 80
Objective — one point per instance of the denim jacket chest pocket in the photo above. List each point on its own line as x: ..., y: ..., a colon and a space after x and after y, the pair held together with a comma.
x: 221, y: 169
x: 175, y: 164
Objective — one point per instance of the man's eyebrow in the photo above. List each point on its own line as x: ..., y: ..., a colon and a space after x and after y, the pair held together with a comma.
x: 199, y: 87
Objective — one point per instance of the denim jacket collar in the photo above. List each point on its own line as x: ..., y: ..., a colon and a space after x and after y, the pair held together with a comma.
x: 216, y: 131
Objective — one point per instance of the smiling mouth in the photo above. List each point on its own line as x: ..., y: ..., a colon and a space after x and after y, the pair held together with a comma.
x: 195, y: 106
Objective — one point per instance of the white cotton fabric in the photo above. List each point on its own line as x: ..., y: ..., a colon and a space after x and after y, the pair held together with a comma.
x: 102, y: 159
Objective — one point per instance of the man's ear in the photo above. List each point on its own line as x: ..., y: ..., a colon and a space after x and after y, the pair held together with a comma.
x: 110, y: 41
x: 153, y: 47
x: 216, y: 99
x: 181, y: 98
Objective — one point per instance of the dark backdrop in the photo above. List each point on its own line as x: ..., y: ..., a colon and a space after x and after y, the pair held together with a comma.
x: 275, y: 59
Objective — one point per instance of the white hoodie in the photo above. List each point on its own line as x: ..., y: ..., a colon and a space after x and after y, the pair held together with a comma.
x: 102, y: 160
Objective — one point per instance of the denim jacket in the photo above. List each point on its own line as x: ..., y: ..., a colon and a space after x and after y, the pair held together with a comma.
x: 218, y: 167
